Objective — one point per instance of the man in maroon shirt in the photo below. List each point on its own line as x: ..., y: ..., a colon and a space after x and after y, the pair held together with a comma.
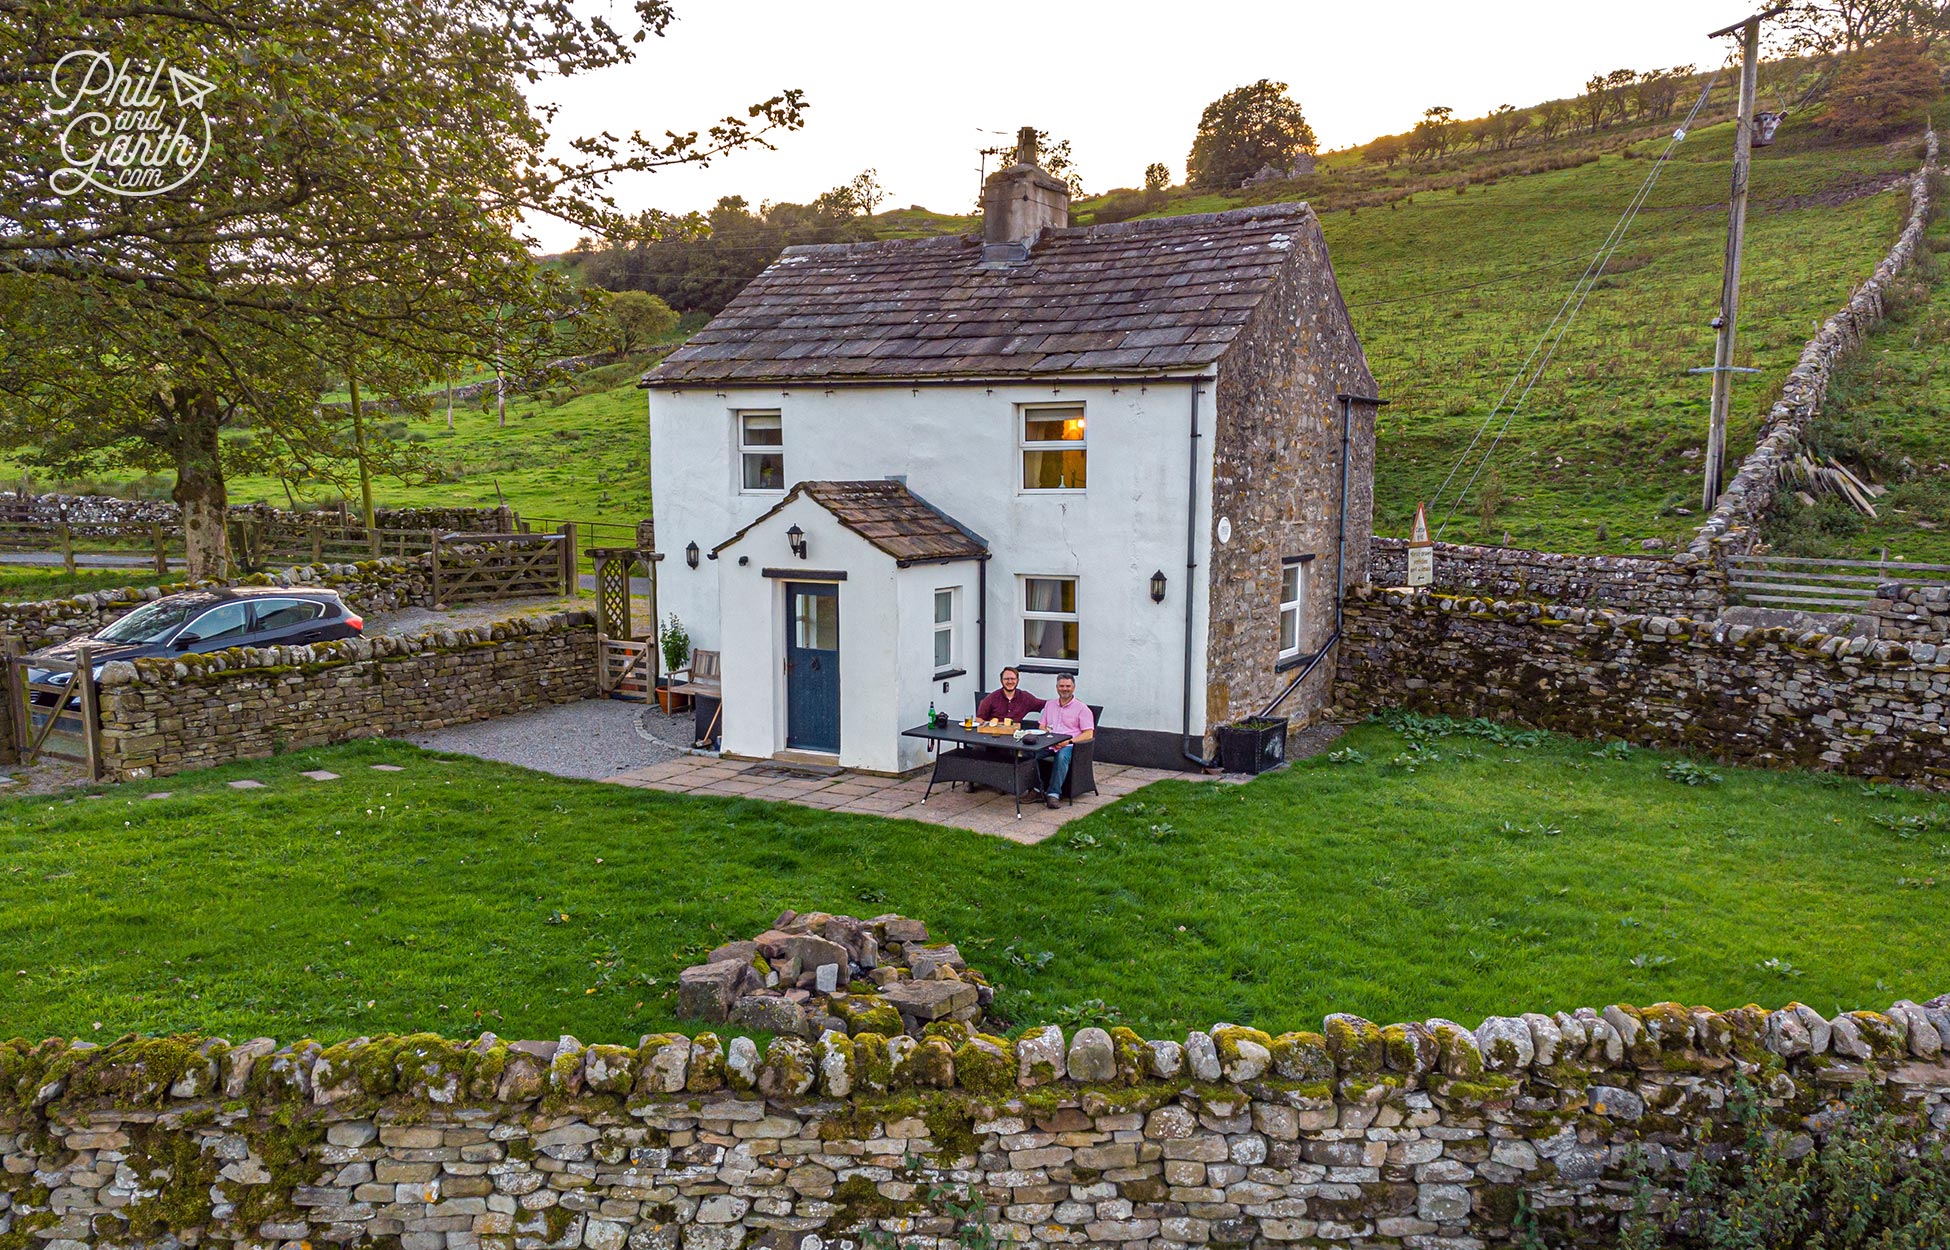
x: 1008, y: 703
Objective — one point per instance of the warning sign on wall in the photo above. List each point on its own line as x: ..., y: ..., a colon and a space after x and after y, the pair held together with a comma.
x: 1421, y: 551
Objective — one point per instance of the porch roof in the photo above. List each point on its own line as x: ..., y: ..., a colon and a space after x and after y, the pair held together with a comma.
x: 888, y: 515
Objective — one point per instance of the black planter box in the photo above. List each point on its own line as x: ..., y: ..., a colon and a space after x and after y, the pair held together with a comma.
x: 1253, y: 746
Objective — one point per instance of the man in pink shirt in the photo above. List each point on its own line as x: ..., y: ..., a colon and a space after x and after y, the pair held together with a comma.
x: 1070, y: 716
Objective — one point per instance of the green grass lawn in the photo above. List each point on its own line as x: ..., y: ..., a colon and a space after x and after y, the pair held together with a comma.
x: 1475, y: 875
x: 28, y: 583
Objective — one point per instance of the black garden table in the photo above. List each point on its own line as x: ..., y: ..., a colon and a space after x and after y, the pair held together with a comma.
x: 998, y: 760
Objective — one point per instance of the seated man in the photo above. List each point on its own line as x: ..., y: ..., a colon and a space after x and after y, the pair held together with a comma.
x: 1070, y: 716
x: 1008, y: 703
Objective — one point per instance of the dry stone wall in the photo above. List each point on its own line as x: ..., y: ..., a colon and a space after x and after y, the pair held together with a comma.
x: 1419, y: 1136
x: 1913, y: 613
x: 163, y: 716
x: 369, y: 586
x: 1740, y: 693
x: 1730, y: 528
x: 1628, y: 583
x: 82, y: 511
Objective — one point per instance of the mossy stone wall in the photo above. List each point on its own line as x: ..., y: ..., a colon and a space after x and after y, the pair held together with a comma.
x: 1418, y: 1136
x: 1737, y: 693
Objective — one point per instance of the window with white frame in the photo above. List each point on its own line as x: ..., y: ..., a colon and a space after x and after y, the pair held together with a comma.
x: 761, y: 452
x: 947, y: 641
x: 1053, y: 447
x: 1294, y: 576
x: 1049, y: 619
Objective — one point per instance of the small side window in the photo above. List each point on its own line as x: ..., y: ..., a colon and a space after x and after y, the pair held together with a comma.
x: 946, y: 644
x: 1294, y: 575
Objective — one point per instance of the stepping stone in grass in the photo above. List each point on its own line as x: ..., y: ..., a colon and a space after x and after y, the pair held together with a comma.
x: 387, y: 768
x: 246, y: 784
x: 319, y: 774
x: 160, y: 794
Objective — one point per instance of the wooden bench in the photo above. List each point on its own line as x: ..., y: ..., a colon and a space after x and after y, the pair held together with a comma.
x: 701, y: 679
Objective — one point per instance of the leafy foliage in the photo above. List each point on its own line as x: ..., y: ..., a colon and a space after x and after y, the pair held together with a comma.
x: 1878, y: 1182
x: 1247, y: 127
x: 1881, y: 90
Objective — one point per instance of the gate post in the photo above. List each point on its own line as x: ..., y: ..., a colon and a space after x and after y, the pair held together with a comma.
x: 433, y: 570
x: 10, y: 741
x: 91, y: 712
x: 162, y: 549
x: 67, y: 549
x: 571, y: 584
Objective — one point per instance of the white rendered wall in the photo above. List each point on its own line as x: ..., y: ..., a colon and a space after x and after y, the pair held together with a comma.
x: 957, y: 448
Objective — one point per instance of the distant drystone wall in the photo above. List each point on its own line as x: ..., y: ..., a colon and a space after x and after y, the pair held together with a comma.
x: 82, y: 511
x: 1731, y: 527
x: 368, y: 586
x: 1628, y: 583
x: 167, y: 715
x: 1913, y: 613
x: 1419, y: 1136
x: 1739, y: 693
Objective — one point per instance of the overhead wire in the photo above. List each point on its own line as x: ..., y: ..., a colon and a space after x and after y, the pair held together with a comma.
x: 1561, y: 321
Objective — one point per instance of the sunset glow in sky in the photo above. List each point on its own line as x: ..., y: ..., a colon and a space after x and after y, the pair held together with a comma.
x: 915, y: 91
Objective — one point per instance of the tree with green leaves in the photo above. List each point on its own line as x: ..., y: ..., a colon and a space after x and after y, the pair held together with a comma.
x: 1245, y: 129
x: 639, y: 318
x: 354, y: 210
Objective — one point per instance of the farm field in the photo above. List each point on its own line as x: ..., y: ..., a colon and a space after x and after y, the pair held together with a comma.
x: 1424, y: 869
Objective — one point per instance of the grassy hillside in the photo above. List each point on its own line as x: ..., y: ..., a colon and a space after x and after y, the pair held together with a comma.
x: 1451, y: 272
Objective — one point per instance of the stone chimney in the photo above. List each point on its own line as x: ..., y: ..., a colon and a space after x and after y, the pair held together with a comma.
x: 1019, y: 202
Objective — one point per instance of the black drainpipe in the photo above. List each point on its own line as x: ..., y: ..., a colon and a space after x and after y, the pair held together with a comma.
x: 1191, y: 583
x: 981, y: 621
x: 1340, y: 554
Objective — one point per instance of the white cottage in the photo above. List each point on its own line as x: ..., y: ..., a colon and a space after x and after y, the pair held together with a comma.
x: 1138, y: 453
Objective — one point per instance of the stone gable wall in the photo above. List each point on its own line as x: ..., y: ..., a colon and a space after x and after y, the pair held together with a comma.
x: 195, y: 711
x: 1776, y: 697
x: 1276, y: 477
x: 1628, y: 583
x: 1418, y: 1136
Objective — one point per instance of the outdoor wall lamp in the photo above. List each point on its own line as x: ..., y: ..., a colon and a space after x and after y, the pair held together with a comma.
x: 690, y: 554
x: 795, y: 538
x: 1158, y: 586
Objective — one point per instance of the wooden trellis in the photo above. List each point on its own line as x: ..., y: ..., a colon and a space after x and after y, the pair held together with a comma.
x: 626, y: 664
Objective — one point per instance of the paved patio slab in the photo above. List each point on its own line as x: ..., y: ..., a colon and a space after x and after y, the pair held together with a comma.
x: 982, y: 811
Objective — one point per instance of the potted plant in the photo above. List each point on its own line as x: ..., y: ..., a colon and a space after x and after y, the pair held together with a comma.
x: 675, y: 642
x: 1253, y: 745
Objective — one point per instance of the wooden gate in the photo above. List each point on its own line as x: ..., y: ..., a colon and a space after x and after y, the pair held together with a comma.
x: 57, y: 717
x: 1812, y: 585
x: 472, y: 568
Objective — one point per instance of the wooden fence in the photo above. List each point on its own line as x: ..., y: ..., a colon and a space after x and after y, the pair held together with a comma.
x: 470, y: 568
x: 1819, y: 585
x: 51, y: 719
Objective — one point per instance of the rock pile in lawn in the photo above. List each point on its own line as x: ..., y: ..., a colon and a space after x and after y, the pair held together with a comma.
x: 813, y: 972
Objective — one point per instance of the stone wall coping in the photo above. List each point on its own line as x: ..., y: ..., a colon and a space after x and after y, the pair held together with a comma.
x: 169, y: 670
x: 1351, y: 1059
x: 1652, y: 627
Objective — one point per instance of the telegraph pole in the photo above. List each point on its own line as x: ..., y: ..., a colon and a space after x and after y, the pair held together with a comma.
x: 1743, y: 139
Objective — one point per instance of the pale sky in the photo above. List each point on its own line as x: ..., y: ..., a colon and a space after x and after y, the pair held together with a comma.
x: 916, y: 90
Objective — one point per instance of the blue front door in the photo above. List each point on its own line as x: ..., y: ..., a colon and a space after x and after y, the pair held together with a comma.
x: 812, y: 666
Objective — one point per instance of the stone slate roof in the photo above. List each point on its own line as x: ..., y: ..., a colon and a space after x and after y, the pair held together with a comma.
x: 888, y: 515
x: 1135, y: 297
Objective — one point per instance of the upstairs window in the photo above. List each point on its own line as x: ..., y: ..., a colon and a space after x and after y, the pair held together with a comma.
x: 1294, y: 575
x: 1053, y: 451
x: 1049, y: 619
x: 761, y: 453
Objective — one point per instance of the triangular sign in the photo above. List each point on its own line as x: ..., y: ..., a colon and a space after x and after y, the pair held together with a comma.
x: 189, y: 89
x: 1421, y: 531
